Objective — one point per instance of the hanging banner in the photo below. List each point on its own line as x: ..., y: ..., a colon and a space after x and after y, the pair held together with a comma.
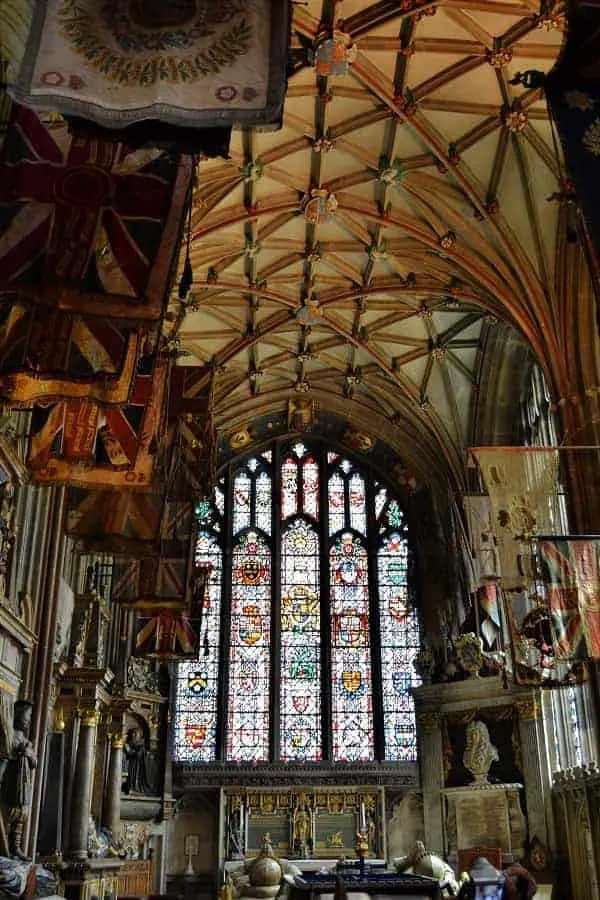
x: 191, y: 63
x: 570, y: 571
x: 122, y: 523
x: 166, y: 634
x: 76, y: 442
x: 523, y: 488
x: 88, y: 225
x: 482, y: 540
x: 47, y: 354
x: 163, y: 579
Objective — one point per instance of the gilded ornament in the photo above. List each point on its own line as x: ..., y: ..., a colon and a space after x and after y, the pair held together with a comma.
x: 319, y: 206
x: 469, y: 651
x: 447, y: 240
x: 500, y: 57
x: 527, y: 708
x: 515, y: 120
x: 90, y: 718
x: 334, y: 55
x: 429, y: 720
x: 591, y: 138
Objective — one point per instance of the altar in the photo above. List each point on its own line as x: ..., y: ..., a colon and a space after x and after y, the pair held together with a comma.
x: 312, y: 827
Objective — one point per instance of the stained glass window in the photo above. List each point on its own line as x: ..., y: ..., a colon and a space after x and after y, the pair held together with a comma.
x: 310, y: 487
x: 300, y: 732
x: 197, y: 683
x: 303, y: 611
x: 249, y: 656
x: 336, y: 502
x: 358, y: 503
x: 351, y: 694
x: 289, y: 487
x: 399, y: 630
x: 241, y: 501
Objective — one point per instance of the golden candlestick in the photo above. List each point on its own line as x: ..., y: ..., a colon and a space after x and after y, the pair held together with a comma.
x: 361, y: 845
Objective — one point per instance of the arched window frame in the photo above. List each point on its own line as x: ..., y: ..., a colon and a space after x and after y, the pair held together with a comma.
x: 328, y: 458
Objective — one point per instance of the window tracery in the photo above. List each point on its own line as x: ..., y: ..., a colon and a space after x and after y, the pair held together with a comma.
x: 308, y: 563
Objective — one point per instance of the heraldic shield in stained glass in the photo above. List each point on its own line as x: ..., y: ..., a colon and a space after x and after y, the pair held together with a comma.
x: 305, y: 609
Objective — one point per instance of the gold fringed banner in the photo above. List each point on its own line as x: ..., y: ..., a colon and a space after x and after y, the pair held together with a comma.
x: 523, y: 487
x: 78, y: 443
x: 482, y: 540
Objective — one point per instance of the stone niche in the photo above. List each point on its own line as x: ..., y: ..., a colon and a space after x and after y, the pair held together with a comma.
x: 495, y: 797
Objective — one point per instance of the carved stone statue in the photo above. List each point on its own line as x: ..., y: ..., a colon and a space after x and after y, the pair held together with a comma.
x: 479, y: 753
x: 134, y: 749
x: 15, y: 776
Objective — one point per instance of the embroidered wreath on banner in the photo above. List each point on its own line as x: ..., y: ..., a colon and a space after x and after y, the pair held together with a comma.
x: 120, y: 38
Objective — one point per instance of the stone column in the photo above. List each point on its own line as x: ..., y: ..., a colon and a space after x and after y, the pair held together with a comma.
x: 535, y: 773
x: 431, y: 754
x: 82, y: 786
x: 112, y: 795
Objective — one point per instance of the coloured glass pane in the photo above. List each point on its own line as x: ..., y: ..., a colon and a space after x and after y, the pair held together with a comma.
x: 268, y: 455
x: 195, y: 720
x: 249, y: 653
x: 220, y: 499
x: 332, y: 457
x: 310, y: 487
x: 299, y: 449
x: 242, y: 489
x: 263, y: 502
x: 351, y: 690
x: 399, y: 646
x: 358, y: 503
x: 336, y: 493
x: 395, y: 518
x: 380, y: 498
x: 289, y: 487
x: 300, y: 716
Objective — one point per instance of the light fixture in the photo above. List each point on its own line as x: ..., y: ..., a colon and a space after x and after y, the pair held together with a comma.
x: 486, y: 883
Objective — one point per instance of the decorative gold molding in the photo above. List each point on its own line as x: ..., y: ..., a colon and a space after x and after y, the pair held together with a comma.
x: 429, y: 719
x: 527, y: 709
x: 117, y: 742
x: 90, y: 717
x: 59, y: 720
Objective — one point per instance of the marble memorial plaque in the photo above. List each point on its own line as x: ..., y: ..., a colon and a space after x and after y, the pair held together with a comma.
x: 482, y: 819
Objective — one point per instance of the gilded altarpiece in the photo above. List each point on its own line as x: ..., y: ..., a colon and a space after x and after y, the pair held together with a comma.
x: 302, y: 823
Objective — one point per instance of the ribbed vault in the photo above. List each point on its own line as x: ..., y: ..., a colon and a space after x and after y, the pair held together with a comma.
x: 363, y: 254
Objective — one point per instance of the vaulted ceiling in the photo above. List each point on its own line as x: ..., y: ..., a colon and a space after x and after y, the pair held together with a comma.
x: 363, y: 255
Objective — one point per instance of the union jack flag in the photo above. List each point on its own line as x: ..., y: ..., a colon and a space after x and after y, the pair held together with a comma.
x: 123, y: 523
x: 571, y: 574
x: 48, y: 354
x: 88, y: 224
x: 165, y: 634
x: 77, y: 442
x: 160, y: 580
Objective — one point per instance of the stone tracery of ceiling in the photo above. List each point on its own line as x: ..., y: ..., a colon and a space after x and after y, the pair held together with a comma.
x: 435, y: 173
